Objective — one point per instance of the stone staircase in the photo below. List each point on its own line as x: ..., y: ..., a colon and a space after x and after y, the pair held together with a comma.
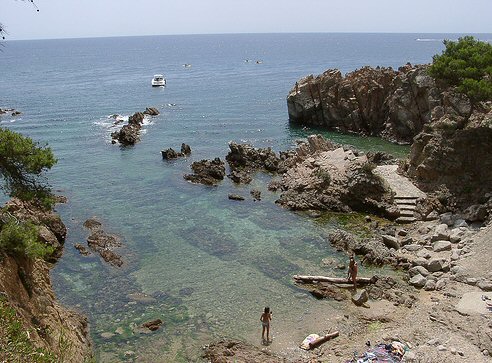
x: 406, y: 206
x: 406, y: 194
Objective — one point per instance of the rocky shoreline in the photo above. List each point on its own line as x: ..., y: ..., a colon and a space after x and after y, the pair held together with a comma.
x: 25, y: 286
x: 437, y: 204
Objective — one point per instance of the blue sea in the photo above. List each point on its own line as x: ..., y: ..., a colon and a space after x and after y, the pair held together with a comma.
x: 205, y: 265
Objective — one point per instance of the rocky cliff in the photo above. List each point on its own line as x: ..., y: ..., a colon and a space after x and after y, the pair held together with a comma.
x: 25, y: 286
x: 451, y: 136
x: 375, y: 101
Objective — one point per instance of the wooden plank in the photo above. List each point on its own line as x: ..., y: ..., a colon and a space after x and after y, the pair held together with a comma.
x: 333, y: 280
x: 316, y: 343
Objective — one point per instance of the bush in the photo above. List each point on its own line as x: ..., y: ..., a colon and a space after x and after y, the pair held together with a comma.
x: 467, y: 64
x: 21, y: 239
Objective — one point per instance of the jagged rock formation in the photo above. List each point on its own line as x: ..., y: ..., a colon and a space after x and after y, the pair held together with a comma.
x: 170, y: 154
x: 244, y: 160
x: 208, y: 172
x: 26, y: 286
x: 375, y: 101
x: 129, y: 134
x: 322, y: 176
x: 459, y: 159
x: 447, y: 129
x: 103, y: 243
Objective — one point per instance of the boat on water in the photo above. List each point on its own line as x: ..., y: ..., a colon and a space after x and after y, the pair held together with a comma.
x: 158, y: 80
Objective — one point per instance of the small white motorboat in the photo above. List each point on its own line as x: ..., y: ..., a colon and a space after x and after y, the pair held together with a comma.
x: 158, y: 80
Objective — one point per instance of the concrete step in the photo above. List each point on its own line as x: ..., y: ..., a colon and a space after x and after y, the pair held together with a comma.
x: 406, y: 197
x: 407, y: 207
x: 404, y: 220
x: 406, y: 214
x: 406, y: 201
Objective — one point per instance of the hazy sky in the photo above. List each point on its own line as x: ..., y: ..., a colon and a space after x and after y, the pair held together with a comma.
x: 94, y: 18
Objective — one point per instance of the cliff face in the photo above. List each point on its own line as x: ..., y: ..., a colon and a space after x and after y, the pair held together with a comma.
x: 451, y: 137
x: 375, y: 101
x: 25, y: 285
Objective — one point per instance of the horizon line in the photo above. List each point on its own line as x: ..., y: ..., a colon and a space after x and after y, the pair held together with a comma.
x: 239, y: 33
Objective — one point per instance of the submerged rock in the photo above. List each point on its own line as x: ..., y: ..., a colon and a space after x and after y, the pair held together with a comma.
x: 235, y: 197
x: 152, y: 325
x: 103, y: 243
x: 236, y: 351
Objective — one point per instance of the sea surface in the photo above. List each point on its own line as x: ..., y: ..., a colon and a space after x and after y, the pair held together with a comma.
x: 203, y: 264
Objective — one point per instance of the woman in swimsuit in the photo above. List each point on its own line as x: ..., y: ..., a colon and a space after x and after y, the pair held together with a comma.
x: 265, y: 319
x: 352, y: 270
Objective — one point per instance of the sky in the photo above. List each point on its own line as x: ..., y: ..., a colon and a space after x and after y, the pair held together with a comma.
x: 101, y: 18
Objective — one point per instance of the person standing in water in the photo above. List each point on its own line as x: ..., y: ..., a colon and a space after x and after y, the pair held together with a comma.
x: 265, y: 319
x: 352, y: 271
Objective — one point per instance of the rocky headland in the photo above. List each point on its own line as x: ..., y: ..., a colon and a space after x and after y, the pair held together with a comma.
x: 445, y: 127
x: 25, y: 287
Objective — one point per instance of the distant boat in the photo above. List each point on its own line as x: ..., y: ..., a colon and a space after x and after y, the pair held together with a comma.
x: 187, y: 65
x: 158, y: 80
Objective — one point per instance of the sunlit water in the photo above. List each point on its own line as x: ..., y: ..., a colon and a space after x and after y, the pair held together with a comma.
x: 209, y: 264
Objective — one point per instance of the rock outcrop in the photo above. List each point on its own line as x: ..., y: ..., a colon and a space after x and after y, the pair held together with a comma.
x: 129, y: 134
x: 170, y: 154
x: 375, y: 101
x: 459, y: 159
x: 245, y: 159
x: 26, y: 287
x: 407, y: 106
x: 208, y: 172
x: 321, y: 176
x: 103, y: 243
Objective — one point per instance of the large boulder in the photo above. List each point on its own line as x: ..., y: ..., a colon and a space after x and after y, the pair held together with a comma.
x: 418, y: 281
x: 360, y: 297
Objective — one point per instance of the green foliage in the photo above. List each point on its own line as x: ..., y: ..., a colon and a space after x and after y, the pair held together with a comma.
x: 325, y: 177
x: 15, y: 343
x: 22, y: 162
x: 467, y: 64
x: 21, y: 239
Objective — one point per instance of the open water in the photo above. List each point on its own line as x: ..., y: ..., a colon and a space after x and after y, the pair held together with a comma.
x: 209, y: 265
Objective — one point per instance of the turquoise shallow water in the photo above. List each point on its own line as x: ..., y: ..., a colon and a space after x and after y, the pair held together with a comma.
x: 209, y: 264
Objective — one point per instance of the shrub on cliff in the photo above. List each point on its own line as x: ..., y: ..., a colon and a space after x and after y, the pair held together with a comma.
x: 22, y: 239
x: 22, y: 162
x: 467, y: 64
